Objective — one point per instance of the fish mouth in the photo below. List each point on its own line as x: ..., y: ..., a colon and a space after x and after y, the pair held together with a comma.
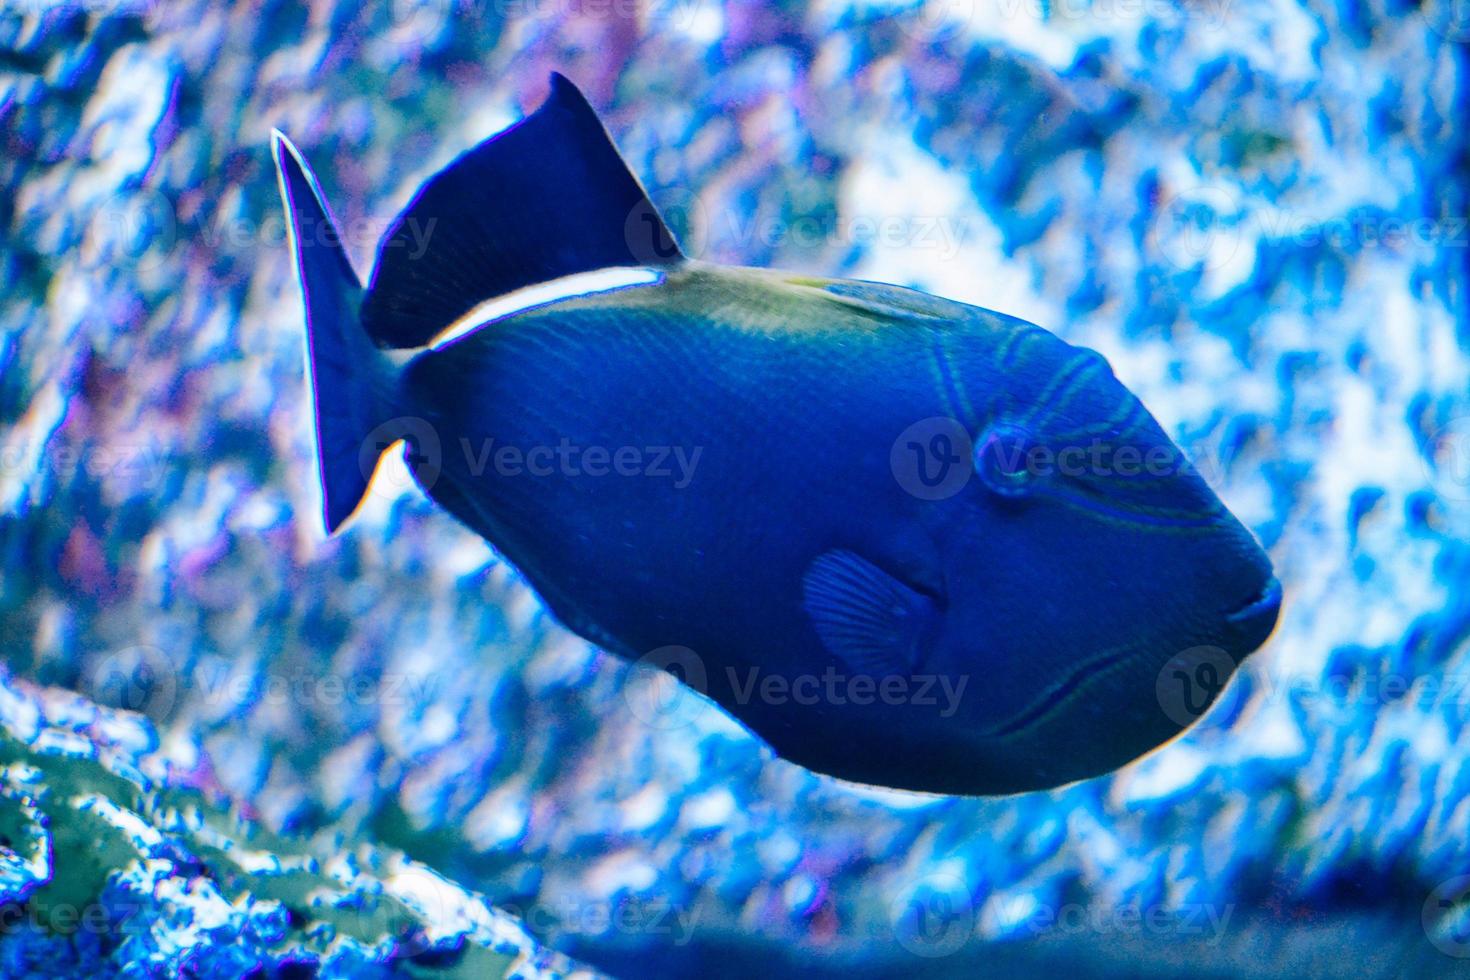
x: 1257, y: 615
x: 1267, y: 599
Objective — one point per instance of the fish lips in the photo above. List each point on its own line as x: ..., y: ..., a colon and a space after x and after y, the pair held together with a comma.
x: 1255, y: 619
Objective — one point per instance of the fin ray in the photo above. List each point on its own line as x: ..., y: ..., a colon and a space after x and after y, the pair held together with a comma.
x: 865, y: 617
x: 344, y: 367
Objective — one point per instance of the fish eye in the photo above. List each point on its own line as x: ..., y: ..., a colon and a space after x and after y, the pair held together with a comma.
x: 1003, y: 459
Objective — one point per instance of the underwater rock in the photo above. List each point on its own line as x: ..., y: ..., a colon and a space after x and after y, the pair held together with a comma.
x: 117, y: 860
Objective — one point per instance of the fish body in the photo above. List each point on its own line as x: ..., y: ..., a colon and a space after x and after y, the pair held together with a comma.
x: 843, y: 511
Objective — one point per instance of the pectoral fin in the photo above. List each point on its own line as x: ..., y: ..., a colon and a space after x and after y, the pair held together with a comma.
x: 865, y: 617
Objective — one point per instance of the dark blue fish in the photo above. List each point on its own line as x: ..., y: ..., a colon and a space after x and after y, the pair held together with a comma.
x: 906, y: 541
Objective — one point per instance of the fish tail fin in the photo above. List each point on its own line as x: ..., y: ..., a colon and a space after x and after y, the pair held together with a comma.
x: 350, y: 377
x: 548, y: 197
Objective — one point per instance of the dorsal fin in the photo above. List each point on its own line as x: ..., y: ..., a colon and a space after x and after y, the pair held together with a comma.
x: 546, y: 198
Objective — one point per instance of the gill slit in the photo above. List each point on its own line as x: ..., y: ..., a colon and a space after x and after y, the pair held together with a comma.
x: 956, y: 400
x: 1065, y: 385
x: 1057, y: 694
x: 1139, y: 517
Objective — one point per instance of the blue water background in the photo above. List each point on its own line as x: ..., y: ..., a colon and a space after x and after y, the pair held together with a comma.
x: 1257, y: 210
